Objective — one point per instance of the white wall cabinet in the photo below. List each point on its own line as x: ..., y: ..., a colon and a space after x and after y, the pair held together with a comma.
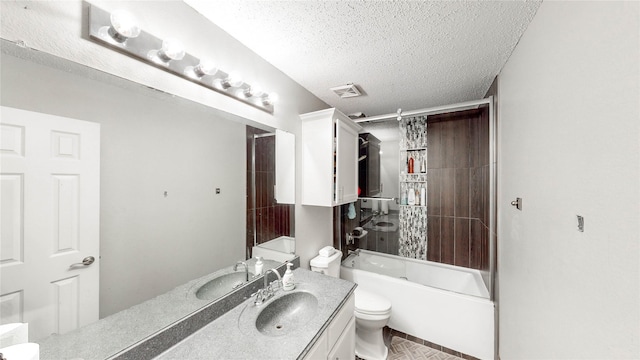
x: 329, y: 158
x: 338, y: 341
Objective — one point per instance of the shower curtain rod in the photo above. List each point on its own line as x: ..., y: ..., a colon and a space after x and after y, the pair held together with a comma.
x: 433, y: 110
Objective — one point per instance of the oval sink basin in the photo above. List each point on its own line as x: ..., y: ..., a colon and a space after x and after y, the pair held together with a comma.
x: 221, y: 285
x: 287, y: 313
x: 384, y: 224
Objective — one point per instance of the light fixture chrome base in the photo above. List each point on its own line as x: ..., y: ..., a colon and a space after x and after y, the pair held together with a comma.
x: 142, y: 45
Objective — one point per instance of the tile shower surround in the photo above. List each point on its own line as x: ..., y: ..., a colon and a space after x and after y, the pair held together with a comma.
x: 272, y: 219
x: 457, y: 213
x: 458, y: 188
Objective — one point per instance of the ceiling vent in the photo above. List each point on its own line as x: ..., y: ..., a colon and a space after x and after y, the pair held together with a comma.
x: 346, y: 91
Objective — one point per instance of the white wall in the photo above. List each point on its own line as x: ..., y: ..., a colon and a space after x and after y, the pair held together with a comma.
x: 59, y: 28
x: 569, y: 145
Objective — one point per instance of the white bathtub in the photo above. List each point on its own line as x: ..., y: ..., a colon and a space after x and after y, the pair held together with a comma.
x: 280, y: 249
x: 444, y: 304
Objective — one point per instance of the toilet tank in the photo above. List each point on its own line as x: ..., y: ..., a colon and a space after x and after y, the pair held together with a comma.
x: 327, y: 262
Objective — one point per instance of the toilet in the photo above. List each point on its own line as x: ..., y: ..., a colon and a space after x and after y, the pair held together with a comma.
x: 372, y: 311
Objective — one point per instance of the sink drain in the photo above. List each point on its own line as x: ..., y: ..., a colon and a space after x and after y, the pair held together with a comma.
x: 279, y: 327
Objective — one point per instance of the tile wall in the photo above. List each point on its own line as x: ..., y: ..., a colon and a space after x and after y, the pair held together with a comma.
x: 458, y: 188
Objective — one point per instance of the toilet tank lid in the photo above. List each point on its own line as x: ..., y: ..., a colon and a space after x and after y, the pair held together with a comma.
x: 366, y: 301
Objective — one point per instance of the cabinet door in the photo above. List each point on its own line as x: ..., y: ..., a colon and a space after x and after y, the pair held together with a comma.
x: 345, y: 347
x: 346, y: 190
x: 319, y: 350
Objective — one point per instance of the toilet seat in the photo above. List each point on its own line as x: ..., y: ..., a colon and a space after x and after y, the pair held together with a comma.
x: 368, y: 303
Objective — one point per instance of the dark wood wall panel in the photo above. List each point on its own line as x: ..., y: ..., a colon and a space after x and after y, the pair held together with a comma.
x: 476, y: 193
x: 458, y: 188
x: 433, y: 238
x: 447, y: 196
x: 461, y: 194
x: 434, y: 145
x: 475, y: 245
x: 462, y: 245
x: 434, y: 182
x: 447, y: 240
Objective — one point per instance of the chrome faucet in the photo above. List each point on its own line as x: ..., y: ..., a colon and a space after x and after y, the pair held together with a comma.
x: 356, y: 252
x: 246, y: 269
x: 268, y: 290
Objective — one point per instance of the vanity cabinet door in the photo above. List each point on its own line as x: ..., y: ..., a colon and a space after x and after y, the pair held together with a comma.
x: 345, y: 347
x: 319, y: 350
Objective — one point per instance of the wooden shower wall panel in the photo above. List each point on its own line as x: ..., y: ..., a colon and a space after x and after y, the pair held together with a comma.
x: 457, y: 178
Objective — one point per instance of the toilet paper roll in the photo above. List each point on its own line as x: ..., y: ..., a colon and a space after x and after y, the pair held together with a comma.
x: 28, y: 351
x: 13, y: 334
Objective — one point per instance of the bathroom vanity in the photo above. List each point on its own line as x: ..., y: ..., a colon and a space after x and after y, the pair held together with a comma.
x: 330, y: 330
x: 317, y: 322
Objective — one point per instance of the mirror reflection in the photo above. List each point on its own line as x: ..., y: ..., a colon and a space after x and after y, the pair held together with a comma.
x: 173, y: 200
x: 270, y: 221
x: 380, y: 188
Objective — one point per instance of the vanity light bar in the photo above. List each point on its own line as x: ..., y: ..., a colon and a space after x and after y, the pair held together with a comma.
x: 119, y: 31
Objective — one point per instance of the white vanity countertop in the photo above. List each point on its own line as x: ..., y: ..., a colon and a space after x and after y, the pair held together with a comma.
x: 224, y: 338
x: 107, y: 337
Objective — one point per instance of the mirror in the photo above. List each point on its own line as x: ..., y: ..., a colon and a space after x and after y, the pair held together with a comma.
x: 163, y: 222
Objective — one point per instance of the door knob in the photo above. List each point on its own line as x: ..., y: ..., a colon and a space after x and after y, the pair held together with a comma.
x: 86, y: 261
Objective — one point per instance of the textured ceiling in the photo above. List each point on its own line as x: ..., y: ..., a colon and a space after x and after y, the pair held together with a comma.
x: 401, y: 54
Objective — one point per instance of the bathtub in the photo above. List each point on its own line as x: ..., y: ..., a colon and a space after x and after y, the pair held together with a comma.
x: 444, y: 304
x: 280, y: 249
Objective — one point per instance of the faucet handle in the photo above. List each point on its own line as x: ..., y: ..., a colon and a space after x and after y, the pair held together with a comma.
x: 275, y: 284
x: 259, y: 297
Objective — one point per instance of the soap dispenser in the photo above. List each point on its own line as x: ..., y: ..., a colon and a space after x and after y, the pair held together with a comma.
x: 287, y: 279
x: 259, y: 266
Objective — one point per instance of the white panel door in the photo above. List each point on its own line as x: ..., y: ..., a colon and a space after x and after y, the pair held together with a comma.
x: 49, y: 219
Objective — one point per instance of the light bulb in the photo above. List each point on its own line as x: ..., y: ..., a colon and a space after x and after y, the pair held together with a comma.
x: 232, y: 80
x: 254, y: 90
x: 270, y: 99
x: 204, y: 68
x: 123, y: 26
x: 172, y: 49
